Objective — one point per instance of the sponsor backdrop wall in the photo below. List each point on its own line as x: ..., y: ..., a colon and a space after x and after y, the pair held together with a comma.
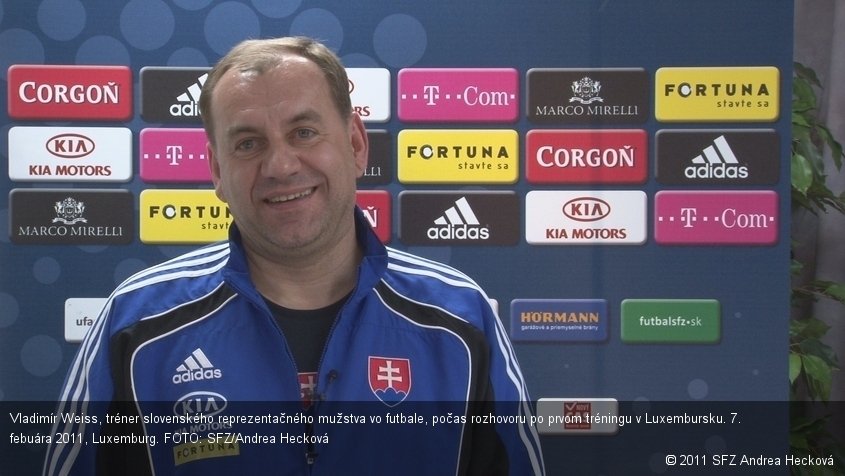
x: 614, y: 173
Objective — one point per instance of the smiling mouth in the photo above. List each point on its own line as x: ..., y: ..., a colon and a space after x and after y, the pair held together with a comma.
x: 291, y: 197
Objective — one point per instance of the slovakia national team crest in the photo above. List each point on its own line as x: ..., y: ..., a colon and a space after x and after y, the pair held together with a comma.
x: 390, y: 379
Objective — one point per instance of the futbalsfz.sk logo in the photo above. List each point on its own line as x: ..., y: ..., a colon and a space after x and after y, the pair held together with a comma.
x: 196, y: 367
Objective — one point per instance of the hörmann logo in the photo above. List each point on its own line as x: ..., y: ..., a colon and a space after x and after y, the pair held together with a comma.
x: 716, y: 156
x: 585, y: 217
x: 452, y: 218
x: 458, y: 94
x: 587, y: 96
x: 73, y: 216
x: 586, y: 156
x: 53, y: 154
x: 87, y: 93
x: 171, y: 95
x: 734, y: 94
x: 561, y: 320
x: 458, y: 156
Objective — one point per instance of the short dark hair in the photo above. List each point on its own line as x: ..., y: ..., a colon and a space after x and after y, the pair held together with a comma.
x: 259, y: 56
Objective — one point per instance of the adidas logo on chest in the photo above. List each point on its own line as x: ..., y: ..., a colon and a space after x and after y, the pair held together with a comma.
x: 196, y: 367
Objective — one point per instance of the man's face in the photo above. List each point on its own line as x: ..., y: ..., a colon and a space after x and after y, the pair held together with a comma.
x: 284, y: 159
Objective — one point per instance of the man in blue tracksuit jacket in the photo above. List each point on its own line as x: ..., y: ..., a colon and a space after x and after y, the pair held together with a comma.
x: 302, y: 346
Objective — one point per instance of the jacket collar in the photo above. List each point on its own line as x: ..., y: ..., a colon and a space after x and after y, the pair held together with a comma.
x: 371, y: 269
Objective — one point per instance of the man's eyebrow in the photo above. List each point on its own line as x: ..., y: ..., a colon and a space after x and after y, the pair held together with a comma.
x: 306, y: 116
x: 302, y: 117
x: 236, y: 130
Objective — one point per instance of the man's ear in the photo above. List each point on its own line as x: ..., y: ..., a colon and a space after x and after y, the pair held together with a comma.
x: 214, y: 165
x: 360, y: 143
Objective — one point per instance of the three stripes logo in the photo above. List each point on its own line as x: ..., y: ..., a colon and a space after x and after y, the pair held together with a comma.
x: 171, y: 95
x: 196, y: 367
x: 466, y: 217
x: 717, y: 156
x: 716, y: 161
x: 458, y: 222
x: 187, y: 103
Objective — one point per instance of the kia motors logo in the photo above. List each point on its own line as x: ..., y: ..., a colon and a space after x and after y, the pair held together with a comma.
x: 604, y: 217
x: 586, y: 209
x: 207, y: 404
x: 70, y: 154
x: 70, y: 146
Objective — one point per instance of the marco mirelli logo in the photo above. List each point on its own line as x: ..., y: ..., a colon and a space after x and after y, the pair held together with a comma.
x: 379, y: 169
x: 718, y: 157
x: 588, y: 96
x: 171, y: 95
x: 73, y: 216
x: 454, y: 218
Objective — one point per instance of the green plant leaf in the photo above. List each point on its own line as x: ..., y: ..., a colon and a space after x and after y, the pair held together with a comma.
x: 836, y: 291
x: 794, y: 366
x: 818, y: 376
x: 802, y: 173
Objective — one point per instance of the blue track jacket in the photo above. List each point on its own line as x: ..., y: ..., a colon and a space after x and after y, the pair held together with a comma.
x: 185, y: 372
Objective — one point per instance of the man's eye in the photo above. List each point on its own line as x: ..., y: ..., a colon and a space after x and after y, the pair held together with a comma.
x: 245, y: 145
x: 305, y: 133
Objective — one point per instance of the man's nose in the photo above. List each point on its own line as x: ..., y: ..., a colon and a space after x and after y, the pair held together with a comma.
x: 281, y: 161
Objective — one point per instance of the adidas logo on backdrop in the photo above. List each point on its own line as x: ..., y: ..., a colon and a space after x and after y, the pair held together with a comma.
x: 458, y: 222
x: 188, y: 102
x: 196, y: 367
x: 716, y: 161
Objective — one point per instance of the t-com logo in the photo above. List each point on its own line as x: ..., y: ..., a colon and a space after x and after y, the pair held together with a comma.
x: 183, y: 217
x: 586, y: 156
x: 87, y: 93
x: 174, y: 155
x: 171, y: 95
x: 454, y: 218
x: 71, y: 216
x: 64, y: 154
x: 587, y: 96
x: 376, y: 207
x: 732, y: 94
x: 458, y: 95
x: 369, y: 90
x: 719, y: 217
x: 713, y: 156
x: 458, y: 156
x: 599, y: 217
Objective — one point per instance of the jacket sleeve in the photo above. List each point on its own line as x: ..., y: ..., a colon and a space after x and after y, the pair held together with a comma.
x: 511, y: 409
x: 84, y: 400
